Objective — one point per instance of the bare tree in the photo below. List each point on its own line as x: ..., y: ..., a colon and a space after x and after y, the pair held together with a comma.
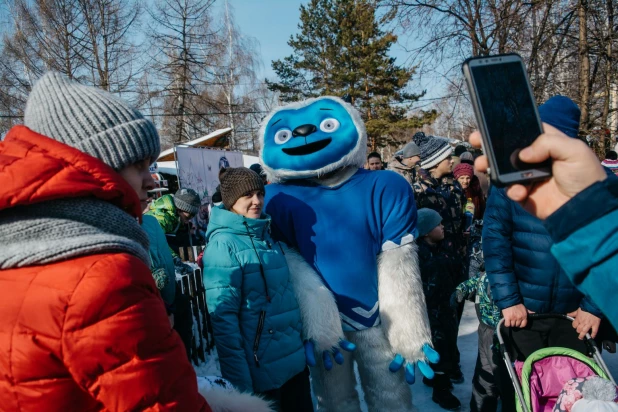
x: 45, y: 35
x: 181, y: 32
x: 567, y: 45
x: 110, y: 53
x: 235, y: 76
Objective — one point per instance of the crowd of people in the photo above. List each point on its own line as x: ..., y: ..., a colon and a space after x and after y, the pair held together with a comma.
x: 92, y: 318
x: 480, y: 245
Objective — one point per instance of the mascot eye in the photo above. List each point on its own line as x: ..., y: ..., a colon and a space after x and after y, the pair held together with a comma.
x: 282, y: 136
x: 329, y: 125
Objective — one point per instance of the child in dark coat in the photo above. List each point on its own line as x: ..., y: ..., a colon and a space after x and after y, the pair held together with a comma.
x: 440, y: 269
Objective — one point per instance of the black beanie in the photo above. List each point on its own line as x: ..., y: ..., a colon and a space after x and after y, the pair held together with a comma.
x: 460, y: 149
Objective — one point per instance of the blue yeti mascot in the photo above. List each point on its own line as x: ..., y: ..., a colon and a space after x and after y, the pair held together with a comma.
x: 356, y: 229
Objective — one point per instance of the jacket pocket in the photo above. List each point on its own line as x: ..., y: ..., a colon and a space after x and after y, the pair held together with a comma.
x: 258, y: 335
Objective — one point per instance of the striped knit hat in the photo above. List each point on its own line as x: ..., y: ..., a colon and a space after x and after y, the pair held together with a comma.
x: 611, y: 165
x: 433, y: 149
x: 90, y: 120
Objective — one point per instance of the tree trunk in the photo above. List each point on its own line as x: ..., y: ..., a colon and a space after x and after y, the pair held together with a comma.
x: 608, y: 75
x: 231, y: 83
x: 584, y: 67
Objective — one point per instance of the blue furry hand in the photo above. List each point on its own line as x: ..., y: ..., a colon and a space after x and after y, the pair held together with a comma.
x: 399, y: 361
x: 326, y: 355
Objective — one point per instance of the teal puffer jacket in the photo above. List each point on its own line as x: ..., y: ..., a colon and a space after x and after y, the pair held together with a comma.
x: 160, y: 258
x: 254, y: 312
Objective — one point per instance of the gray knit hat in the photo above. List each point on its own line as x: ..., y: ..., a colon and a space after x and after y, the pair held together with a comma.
x: 236, y: 182
x: 427, y: 221
x: 187, y: 200
x: 433, y: 149
x: 90, y: 120
x: 410, y: 150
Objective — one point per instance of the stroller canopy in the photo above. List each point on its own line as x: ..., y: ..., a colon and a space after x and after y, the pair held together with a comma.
x: 545, y: 372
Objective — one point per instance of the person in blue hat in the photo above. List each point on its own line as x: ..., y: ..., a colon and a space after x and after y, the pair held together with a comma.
x: 439, y: 272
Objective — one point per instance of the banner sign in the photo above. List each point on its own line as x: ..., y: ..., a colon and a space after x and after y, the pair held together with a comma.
x: 198, y: 169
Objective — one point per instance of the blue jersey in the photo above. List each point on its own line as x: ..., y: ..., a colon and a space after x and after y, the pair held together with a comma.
x: 341, y: 230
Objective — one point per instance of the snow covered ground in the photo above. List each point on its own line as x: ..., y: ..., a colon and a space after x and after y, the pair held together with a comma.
x: 422, y: 394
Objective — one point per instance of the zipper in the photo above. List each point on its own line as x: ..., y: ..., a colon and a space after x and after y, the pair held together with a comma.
x: 258, y: 335
x: 260, y: 327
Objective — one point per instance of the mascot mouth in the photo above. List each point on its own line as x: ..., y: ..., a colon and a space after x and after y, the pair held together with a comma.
x: 307, y: 148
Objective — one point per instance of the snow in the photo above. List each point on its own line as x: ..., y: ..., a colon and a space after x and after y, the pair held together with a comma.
x: 210, y: 367
x: 421, y: 394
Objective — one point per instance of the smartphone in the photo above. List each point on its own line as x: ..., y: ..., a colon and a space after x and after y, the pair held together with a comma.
x: 507, y: 116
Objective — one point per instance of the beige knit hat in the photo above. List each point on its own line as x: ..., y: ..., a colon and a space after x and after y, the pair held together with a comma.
x: 236, y: 182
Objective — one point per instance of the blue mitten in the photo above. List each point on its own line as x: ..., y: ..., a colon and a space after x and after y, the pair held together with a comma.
x: 399, y: 361
x: 326, y: 355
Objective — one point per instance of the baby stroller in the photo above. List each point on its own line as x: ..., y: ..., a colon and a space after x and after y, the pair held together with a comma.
x: 539, y: 380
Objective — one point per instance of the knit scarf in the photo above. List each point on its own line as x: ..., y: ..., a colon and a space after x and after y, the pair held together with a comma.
x: 57, y: 230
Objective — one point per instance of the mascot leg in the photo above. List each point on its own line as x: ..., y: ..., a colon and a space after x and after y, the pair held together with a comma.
x: 384, y: 390
x: 335, y: 390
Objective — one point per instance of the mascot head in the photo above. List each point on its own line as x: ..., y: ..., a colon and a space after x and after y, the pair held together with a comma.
x: 311, y: 138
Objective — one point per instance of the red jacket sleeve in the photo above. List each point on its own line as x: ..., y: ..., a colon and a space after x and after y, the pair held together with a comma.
x: 118, y: 345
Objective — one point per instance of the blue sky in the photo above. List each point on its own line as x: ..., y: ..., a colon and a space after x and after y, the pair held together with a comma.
x: 272, y: 22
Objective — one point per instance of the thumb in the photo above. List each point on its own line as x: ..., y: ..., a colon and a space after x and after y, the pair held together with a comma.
x: 547, y: 145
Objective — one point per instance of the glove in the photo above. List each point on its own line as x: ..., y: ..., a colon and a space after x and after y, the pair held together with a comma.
x: 456, y: 298
x: 326, y: 355
x: 432, y: 357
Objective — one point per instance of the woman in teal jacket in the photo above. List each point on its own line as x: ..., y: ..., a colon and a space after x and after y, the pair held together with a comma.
x: 255, y: 315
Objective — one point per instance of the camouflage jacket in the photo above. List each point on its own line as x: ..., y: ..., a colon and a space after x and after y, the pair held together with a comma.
x: 477, y: 289
x: 164, y: 210
x: 408, y: 173
x: 445, y: 197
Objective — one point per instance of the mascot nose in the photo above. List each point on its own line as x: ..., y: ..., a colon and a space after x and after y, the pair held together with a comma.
x: 304, y: 130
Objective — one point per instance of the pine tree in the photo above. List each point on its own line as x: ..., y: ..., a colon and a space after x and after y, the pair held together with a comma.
x: 342, y: 49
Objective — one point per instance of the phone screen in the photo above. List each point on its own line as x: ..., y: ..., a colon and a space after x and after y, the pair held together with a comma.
x: 509, y: 111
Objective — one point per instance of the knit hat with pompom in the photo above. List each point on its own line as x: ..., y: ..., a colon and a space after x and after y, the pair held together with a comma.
x: 433, y: 149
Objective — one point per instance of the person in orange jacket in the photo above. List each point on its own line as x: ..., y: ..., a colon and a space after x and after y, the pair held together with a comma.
x: 83, y: 326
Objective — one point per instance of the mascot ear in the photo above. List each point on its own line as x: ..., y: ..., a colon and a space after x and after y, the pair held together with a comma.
x: 347, y: 98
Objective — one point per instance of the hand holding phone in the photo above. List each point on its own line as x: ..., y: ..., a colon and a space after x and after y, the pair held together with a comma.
x: 507, y: 116
x: 574, y: 168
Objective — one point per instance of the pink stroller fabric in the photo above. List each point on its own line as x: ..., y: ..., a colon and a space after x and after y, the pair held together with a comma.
x: 548, y: 378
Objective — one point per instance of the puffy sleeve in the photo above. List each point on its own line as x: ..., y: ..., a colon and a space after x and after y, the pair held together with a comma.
x: 223, y: 279
x: 118, y: 344
x: 498, y: 250
x: 586, y: 245
x: 397, y: 212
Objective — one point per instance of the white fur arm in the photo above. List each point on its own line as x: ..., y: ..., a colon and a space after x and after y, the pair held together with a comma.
x: 318, y: 308
x: 228, y: 399
x: 402, y: 301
